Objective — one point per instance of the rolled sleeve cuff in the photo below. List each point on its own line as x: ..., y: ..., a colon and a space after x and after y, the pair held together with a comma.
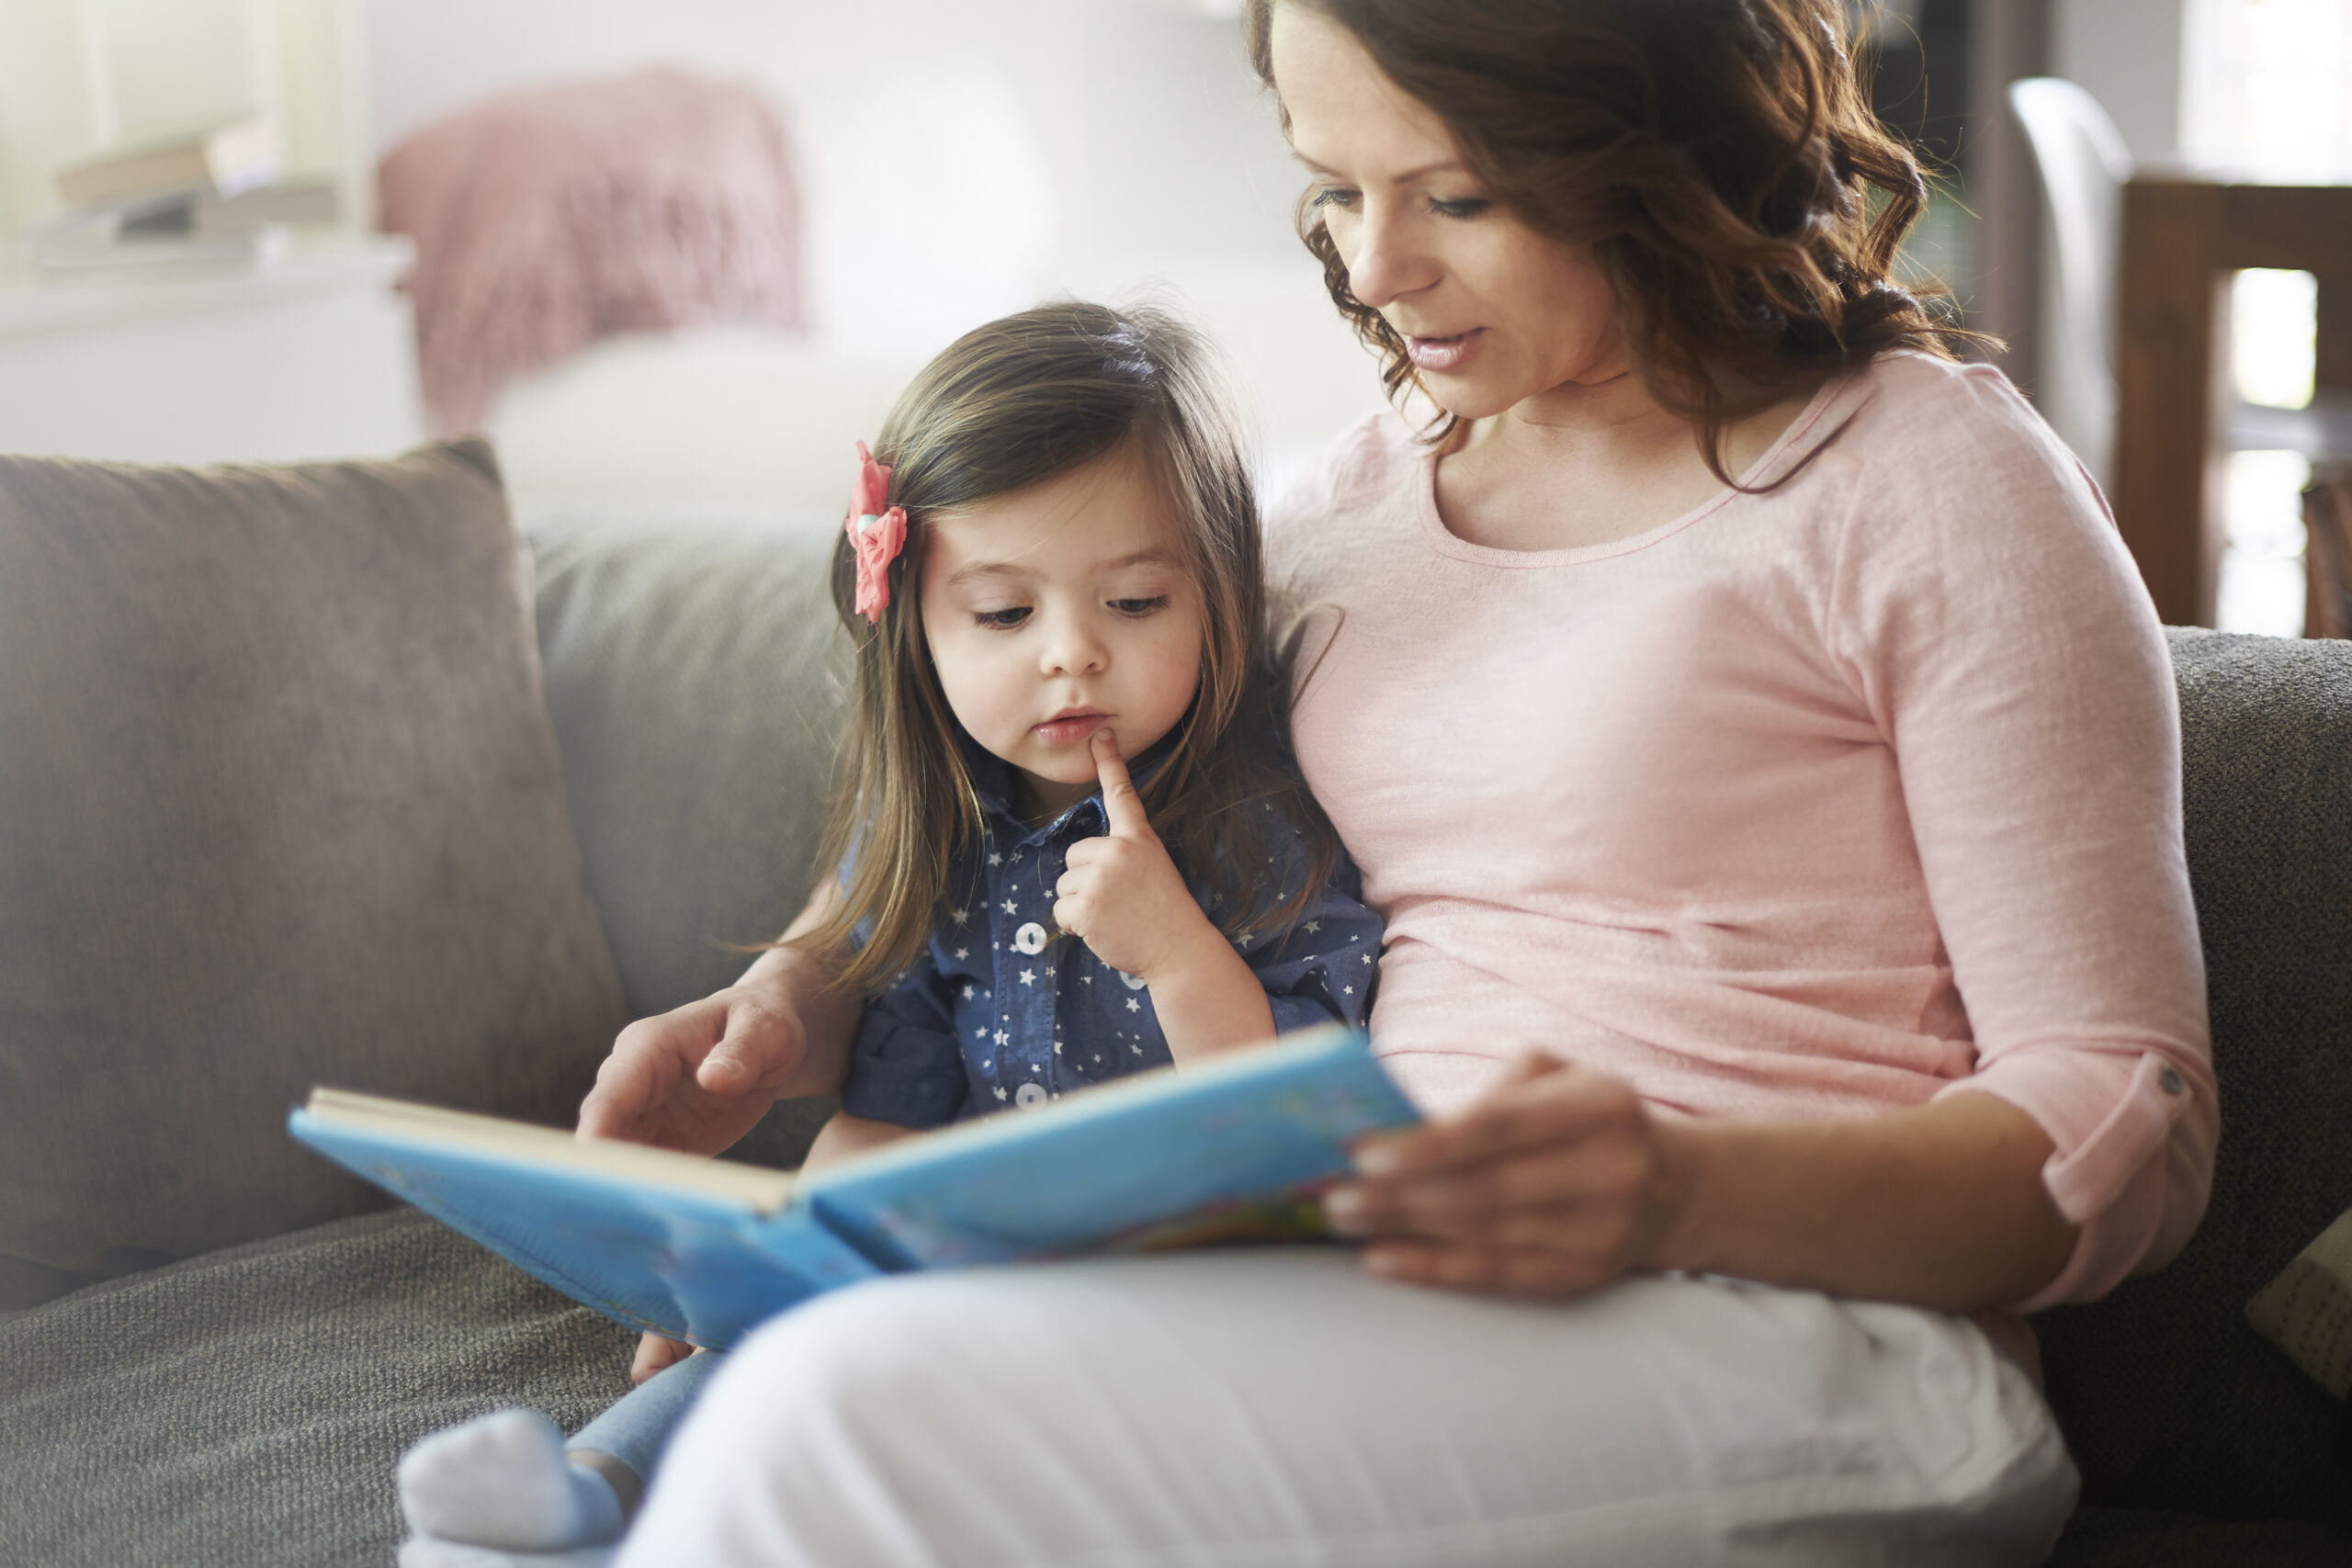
x: 2133, y: 1130
x: 912, y: 1077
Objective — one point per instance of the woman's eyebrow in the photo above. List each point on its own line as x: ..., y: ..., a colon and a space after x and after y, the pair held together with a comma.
x: 1449, y: 165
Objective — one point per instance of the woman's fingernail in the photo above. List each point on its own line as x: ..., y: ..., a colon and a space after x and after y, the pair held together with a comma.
x: 1343, y: 1210
x: 1377, y: 1160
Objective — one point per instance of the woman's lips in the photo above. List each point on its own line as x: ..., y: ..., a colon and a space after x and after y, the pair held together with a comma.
x: 1441, y: 353
x: 1063, y: 728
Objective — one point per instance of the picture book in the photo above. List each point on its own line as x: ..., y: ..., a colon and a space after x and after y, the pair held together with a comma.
x: 1236, y: 1149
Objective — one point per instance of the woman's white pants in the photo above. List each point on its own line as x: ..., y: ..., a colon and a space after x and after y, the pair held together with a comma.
x: 1265, y: 1408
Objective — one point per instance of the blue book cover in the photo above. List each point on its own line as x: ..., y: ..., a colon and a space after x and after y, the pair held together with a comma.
x: 1237, y: 1149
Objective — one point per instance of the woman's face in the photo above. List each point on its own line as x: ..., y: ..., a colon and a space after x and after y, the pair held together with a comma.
x: 1491, y: 312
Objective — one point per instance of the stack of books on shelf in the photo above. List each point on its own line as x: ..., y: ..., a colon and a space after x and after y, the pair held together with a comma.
x: 208, y: 201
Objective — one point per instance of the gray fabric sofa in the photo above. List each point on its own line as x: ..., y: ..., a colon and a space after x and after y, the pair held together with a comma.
x: 243, y: 1404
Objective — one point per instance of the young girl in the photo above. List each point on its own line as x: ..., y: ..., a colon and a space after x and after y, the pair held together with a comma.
x: 1072, y: 845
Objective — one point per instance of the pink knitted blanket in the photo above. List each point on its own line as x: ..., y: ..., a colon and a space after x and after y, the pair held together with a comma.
x: 545, y: 220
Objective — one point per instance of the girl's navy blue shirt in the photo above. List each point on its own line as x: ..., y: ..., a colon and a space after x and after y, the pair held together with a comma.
x: 1000, y: 1011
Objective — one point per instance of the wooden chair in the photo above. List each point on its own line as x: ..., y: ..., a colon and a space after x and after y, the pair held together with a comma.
x: 2138, y: 383
x: 2327, y: 556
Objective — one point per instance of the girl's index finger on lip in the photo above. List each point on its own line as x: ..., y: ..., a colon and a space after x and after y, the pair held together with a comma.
x: 1121, y: 804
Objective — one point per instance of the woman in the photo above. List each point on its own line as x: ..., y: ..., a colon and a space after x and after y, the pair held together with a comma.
x: 1764, y: 755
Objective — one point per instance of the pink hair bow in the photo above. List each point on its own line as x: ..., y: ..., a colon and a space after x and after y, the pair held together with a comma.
x: 877, y: 534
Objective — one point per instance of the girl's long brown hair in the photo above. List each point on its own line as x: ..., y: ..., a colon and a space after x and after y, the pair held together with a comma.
x: 1008, y: 406
x: 1721, y: 157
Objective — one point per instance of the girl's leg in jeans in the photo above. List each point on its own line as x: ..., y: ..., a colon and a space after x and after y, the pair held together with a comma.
x: 505, y: 1480
x: 1277, y: 1406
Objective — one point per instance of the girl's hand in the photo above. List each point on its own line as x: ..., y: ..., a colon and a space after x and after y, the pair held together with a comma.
x: 1122, y: 895
x: 655, y: 1354
x: 1554, y: 1181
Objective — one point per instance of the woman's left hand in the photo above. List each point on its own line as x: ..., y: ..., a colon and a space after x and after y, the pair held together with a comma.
x: 1554, y: 1181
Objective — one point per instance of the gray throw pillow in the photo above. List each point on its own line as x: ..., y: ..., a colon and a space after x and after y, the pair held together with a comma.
x: 279, y: 805
x: 696, y: 672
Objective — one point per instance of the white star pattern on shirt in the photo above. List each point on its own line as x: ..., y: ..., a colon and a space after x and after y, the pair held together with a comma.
x: 1028, y: 976
x: 1351, y: 990
x: 959, y: 917
x: 968, y: 993
x: 1016, y: 857
x: 1133, y: 1006
x: 1367, y: 958
x: 1002, y: 1037
x: 1088, y: 978
x: 1011, y: 908
x: 1000, y: 1091
x: 1314, y: 926
x: 963, y: 953
x: 995, y: 859
x: 981, y: 1032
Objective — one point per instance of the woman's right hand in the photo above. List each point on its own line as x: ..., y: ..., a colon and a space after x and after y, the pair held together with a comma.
x: 698, y: 1078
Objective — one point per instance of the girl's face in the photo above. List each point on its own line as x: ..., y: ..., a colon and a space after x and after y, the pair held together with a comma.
x: 1058, y: 611
x: 1491, y: 312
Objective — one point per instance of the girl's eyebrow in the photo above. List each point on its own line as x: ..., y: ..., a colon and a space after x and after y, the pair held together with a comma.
x: 1154, y: 557
x: 984, y: 569
x: 978, y: 570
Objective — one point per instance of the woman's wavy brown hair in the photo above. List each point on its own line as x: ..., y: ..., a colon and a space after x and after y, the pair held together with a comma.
x: 1721, y: 157
x: 1006, y: 407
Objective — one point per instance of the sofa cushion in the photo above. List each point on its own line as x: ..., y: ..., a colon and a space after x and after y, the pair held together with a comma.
x: 696, y: 672
x: 246, y: 1410
x: 279, y: 805
x: 2168, y: 1397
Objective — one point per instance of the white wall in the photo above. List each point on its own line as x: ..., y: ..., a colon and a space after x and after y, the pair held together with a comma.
x: 45, y: 110
x: 78, y: 76
x: 2129, y: 54
x: 959, y: 158
x: 1153, y: 138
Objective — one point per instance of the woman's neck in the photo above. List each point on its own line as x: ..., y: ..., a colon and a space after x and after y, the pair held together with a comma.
x: 1587, y: 464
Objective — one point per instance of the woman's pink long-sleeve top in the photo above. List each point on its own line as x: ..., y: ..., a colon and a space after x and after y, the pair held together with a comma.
x: 1810, y: 803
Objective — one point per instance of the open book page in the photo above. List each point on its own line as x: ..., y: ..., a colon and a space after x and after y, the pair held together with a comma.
x: 1236, y: 1149
x: 690, y: 1248
x: 765, y: 1191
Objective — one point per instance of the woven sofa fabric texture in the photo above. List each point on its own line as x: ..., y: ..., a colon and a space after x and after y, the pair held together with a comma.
x: 279, y: 805
x: 696, y: 672
x: 246, y: 1410
x: 2168, y: 1397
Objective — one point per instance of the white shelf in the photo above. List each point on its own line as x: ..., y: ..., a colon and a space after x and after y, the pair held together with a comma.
x: 313, y: 357
x: 306, y: 272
